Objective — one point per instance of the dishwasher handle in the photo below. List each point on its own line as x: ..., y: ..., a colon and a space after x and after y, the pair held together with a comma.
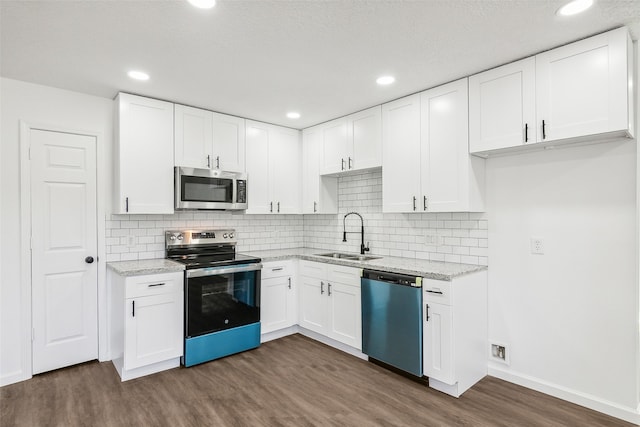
x: 392, y: 278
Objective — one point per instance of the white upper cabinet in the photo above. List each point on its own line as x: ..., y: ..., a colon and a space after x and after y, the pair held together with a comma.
x: 401, y: 154
x: 319, y: 193
x: 143, y: 142
x: 352, y: 143
x: 452, y: 180
x: 502, y: 107
x: 578, y: 92
x: 204, y: 139
x: 584, y: 88
x: 273, y: 169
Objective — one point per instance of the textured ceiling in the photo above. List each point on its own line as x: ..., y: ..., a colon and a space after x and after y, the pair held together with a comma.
x: 260, y: 59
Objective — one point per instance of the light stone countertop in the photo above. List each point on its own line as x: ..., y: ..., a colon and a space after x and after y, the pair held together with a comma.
x: 414, y: 267
x: 145, y: 266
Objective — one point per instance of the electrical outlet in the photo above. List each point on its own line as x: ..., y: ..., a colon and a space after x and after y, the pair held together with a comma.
x: 433, y: 240
x: 537, y: 246
x: 131, y: 241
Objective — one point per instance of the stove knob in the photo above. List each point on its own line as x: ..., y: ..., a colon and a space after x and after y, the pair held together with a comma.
x: 225, y: 235
x: 231, y: 235
x: 180, y: 237
x: 172, y: 237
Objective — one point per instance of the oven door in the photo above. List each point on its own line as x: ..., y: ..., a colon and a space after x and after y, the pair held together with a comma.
x: 219, y: 298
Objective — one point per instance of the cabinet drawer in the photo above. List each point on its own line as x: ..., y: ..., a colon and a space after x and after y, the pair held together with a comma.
x: 342, y: 274
x: 313, y: 269
x: 153, y: 284
x: 438, y: 291
x: 277, y: 269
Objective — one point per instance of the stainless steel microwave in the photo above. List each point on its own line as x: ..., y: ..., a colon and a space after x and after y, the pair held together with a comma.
x: 210, y: 189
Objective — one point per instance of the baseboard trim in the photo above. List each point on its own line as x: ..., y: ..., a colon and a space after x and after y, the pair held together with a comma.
x: 280, y: 333
x: 13, y: 377
x: 583, y: 399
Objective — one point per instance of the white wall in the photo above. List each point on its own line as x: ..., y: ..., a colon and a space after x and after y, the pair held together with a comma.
x: 39, y: 105
x: 569, y: 317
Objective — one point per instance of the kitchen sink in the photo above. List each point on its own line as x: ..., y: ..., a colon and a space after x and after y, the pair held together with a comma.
x: 352, y: 257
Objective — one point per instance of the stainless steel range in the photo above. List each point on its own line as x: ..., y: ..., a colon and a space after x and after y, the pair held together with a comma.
x: 222, y: 294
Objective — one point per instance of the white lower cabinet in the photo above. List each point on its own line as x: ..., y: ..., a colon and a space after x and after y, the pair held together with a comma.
x: 146, y: 323
x: 278, y: 296
x: 329, y: 302
x: 455, y: 332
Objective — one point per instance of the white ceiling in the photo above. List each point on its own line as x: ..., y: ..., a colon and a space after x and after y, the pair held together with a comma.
x: 262, y: 58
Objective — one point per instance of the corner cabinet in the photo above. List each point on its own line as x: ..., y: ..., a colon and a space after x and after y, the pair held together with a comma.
x: 147, y: 333
x: 455, y: 332
x: 329, y: 302
x: 426, y: 163
x: 579, y: 92
x: 273, y: 169
x: 319, y: 193
x: 204, y: 139
x: 143, y: 156
x: 278, y: 296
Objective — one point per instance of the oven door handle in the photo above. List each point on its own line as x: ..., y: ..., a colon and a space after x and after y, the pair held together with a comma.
x: 212, y: 271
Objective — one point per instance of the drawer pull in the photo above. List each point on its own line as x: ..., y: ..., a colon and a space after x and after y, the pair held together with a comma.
x: 434, y: 292
x: 277, y: 269
x: 156, y: 284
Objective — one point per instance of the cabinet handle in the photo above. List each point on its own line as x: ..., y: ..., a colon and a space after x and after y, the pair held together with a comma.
x: 156, y: 284
x: 414, y: 203
x: 277, y: 269
x: 289, y: 282
x: 329, y: 293
x: 315, y: 209
x: 208, y: 160
x: 270, y: 206
x: 526, y: 132
x: 321, y: 288
x: 126, y: 204
x: 278, y: 207
x: 425, y: 203
x: 133, y: 308
x: 342, y: 160
x: 217, y: 162
x: 350, y: 166
x: 427, y: 313
x: 544, y: 131
x: 434, y: 292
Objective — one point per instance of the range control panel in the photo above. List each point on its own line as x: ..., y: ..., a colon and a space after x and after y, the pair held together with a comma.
x: 200, y: 237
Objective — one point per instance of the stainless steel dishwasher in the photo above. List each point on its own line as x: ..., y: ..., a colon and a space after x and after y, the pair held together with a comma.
x: 392, y: 319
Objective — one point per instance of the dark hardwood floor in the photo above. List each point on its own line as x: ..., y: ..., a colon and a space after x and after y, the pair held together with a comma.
x: 293, y: 381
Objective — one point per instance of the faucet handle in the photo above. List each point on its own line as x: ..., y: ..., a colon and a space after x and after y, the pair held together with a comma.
x: 367, y: 248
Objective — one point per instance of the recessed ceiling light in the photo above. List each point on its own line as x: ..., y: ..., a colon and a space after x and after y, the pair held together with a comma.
x: 138, y: 75
x: 385, y: 80
x: 574, y: 7
x: 293, y: 115
x: 203, y: 4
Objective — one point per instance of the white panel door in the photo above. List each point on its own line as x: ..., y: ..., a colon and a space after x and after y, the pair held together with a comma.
x: 193, y: 137
x: 334, y: 147
x: 285, y: 169
x: 345, y: 315
x: 152, y: 333
x: 581, y: 88
x: 63, y: 235
x: 258, y: 196
x: 445, y: 157
x: 312, y: 307
x: 274, y: 303
x: 401, y: 155
x: 311, y: 149
x: 365, y: 133
x: 502, y: 107
x: 228, y: 143
x: 438, y: 343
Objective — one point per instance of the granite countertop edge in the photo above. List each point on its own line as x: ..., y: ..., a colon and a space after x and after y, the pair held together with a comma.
x: 145, y: 267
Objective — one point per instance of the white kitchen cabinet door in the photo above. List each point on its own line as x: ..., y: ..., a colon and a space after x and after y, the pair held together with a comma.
x: 401, y: 155
x: 193, y: 137
x: 319, y: 194
x: 365, y: 139
x: 502, y: 107
x: 345, y: 314
x: 277, y: 306
x: 143, y: 155
x: 583, y: 88
x: 437, y: 353
x: 312, y: 304
x: 153, y: 329
x: 258, y: 187
x: 228, y: 143
x: 285, y: 169
x: 451, y: 179
x: 335, y: 150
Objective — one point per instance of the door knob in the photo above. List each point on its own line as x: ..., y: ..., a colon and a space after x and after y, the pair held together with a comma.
x: 88, y: 260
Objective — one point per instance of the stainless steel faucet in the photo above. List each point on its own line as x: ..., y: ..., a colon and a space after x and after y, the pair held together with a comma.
x: 363, y: 248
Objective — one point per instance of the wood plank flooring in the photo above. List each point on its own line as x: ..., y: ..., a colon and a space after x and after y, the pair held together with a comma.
x: 293, y: 381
